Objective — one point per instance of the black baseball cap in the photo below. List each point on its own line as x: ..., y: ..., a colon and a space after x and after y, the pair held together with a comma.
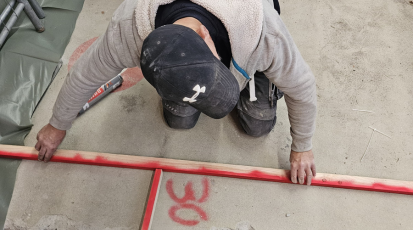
x: 179, y: 64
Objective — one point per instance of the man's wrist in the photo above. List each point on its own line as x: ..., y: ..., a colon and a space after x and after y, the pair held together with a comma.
x: 55, y: 123
x: 301, y: 145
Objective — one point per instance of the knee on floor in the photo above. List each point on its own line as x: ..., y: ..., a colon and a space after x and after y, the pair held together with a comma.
x: 255, y: 127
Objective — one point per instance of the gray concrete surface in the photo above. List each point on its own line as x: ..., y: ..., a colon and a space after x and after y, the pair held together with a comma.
x: 66, y: 196
x: 280, y: 206
x: 362, y: 57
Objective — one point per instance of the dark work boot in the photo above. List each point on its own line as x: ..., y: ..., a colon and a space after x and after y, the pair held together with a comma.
x: 179, y: 115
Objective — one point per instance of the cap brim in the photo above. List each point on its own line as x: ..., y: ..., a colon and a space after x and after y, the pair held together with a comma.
x: 224, y: 95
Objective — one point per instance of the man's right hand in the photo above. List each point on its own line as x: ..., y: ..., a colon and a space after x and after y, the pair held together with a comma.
x: 48, y: 139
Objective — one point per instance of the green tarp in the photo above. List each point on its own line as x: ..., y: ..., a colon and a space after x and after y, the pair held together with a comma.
x: 28, y: 61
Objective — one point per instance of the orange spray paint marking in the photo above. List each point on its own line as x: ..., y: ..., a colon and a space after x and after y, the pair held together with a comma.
x: 185, y: 202
x: 131, y: 77
x: 201, y: 213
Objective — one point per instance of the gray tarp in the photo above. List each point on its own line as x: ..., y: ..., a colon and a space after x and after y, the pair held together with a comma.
x: 27, y: 62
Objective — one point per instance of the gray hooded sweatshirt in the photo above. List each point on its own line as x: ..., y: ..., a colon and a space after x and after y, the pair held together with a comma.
x: 259, y: 42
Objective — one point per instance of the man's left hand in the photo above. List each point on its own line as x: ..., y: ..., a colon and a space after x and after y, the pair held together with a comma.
x: 302, y: 166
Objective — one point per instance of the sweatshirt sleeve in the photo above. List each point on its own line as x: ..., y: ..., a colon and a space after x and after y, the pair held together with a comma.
x: 291, y: 74
x: 104, y: 59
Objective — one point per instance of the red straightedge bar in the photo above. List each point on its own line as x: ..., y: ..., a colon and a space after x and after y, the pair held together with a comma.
x: 153, y: 197
x: 211, y: 169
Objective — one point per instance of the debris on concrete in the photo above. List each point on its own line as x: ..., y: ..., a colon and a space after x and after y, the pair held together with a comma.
x: 374, y: 130
x: 362, y: 110
x: 57, y: 222
x: 244, y: 225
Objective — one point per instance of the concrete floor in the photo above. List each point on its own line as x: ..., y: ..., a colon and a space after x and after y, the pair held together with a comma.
x: 362, y: 57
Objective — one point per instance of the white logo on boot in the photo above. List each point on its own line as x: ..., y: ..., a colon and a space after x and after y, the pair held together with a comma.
x: 198, y: 90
